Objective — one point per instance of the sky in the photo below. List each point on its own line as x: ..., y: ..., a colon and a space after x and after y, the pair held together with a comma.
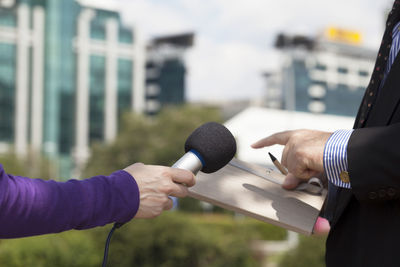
x: 234, y: 38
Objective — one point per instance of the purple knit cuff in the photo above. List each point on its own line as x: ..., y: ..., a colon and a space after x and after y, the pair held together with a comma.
x: 130, y: 194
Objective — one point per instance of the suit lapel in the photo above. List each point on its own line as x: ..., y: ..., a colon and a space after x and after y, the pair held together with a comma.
x: 388, y: 98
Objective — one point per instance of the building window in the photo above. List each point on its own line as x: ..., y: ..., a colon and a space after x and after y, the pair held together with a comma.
x: 172, y: 82
x: 124, y: 85
x: 97, y: 30
x: 97, y: 86
x: 97, y: 25
x: 7, y: 91
x: 363, y: 73
x: 125, y: 36
x: 8, y: 17
x: 342, y: 70
x: 320, y: 66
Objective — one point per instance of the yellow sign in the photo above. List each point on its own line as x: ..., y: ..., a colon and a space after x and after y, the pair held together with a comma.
x: 343, y: 36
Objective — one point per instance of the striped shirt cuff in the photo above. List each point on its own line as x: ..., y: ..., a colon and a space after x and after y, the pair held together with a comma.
x: 335, y: 157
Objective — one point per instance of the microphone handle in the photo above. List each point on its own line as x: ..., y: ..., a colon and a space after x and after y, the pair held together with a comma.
x: 190, y: 161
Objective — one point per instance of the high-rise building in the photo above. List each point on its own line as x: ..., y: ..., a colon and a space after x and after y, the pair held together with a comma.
x: 327, y: 74
x: 166, y: 71
x: 68, y: 69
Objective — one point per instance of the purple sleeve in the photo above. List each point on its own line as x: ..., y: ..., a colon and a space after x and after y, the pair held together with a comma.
x: 34, y: 206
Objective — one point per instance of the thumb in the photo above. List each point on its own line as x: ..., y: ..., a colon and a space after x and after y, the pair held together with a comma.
x: 290, y: 182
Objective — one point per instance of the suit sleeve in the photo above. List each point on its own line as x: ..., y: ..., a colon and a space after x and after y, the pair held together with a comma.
x: 374, y: 163
x: 34, y: 206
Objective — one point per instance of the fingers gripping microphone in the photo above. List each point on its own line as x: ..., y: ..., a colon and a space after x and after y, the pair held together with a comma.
x: 209, y: 148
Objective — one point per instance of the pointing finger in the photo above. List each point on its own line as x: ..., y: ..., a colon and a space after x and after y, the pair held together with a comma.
x: 278, y: 138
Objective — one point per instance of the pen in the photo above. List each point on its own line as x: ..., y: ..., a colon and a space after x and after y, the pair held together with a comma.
x: 278, y: 164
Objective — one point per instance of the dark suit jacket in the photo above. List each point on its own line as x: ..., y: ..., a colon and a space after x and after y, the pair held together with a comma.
x: 365, y: 230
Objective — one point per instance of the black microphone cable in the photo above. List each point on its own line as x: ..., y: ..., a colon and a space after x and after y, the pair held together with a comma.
x: 105, y: 257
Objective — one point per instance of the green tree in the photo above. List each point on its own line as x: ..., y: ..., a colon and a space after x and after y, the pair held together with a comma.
x: 32, y: 165
x: 180, y: 240
x: 73, y: 248
x: 172, y: 239
x: 309, y: 252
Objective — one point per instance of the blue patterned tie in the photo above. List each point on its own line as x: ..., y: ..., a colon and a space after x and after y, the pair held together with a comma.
x: 394, y: 49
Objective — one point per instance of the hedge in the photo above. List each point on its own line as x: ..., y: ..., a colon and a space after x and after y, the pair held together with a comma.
x: 173, y: 239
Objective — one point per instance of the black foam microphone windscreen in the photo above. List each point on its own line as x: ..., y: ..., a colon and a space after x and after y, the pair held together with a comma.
x: 215, y: 143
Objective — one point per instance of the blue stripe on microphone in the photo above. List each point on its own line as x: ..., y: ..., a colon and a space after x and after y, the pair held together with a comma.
x: 199, y: 156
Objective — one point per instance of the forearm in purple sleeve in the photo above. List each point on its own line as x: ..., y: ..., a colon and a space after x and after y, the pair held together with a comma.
x: 34, y: 206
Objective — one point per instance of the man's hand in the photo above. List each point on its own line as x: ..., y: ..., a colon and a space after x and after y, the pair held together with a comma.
x: 302, y: 155
x: 156, y: 184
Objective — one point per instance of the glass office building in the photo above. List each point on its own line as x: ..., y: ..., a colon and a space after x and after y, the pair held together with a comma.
x: 68, y: 70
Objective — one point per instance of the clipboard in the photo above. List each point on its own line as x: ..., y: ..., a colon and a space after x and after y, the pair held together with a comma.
x: 255, y: 191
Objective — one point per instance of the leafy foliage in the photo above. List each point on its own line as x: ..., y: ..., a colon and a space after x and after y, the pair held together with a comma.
x: 310, y: 252
x: 72, y: 248
x: 33, y: 165
x: 173, y: 239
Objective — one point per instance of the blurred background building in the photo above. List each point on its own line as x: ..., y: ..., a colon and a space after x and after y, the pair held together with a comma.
x: 323, y: 74
x: 69, y: 69
x: 166, y: 70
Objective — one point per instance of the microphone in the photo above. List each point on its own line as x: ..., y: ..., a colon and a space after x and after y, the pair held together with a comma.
x: 209, y: 148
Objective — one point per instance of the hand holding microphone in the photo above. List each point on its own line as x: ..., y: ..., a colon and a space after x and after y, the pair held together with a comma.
x: 209, y: 148
x: 155, y: 184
